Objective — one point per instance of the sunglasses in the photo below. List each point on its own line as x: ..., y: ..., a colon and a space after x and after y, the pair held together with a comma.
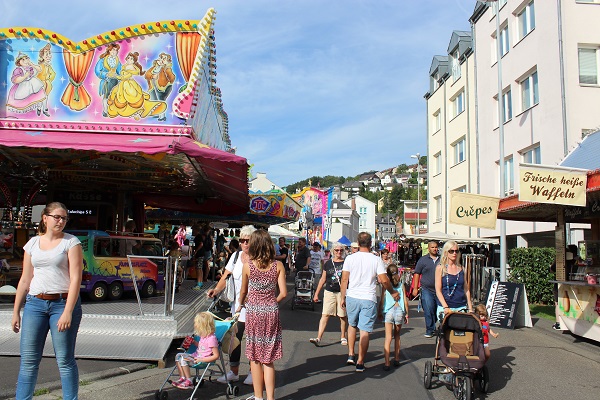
x: 338, y: 250
x: 244, y: 240
x: 452, y: 251
x: 58, y: 217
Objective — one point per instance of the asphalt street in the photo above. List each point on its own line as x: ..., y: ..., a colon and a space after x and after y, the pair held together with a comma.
x: 526, y: 363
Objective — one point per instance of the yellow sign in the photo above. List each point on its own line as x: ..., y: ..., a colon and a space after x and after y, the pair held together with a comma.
x: 473, y: 210
x: 551, y: 184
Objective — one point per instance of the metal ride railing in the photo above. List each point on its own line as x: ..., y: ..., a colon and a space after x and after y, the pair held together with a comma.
x: 169, y: 277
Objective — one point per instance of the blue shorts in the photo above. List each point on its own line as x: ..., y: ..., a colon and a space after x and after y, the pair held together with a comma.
x: 395, y: 315
x: 361, y: 313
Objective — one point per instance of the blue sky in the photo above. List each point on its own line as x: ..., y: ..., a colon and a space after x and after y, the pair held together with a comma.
x: 311, y: 87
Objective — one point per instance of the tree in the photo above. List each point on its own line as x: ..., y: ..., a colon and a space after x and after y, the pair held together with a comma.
x: 401, y: 169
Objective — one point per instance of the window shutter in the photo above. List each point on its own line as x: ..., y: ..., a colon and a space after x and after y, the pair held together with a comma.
x: 588, y: 68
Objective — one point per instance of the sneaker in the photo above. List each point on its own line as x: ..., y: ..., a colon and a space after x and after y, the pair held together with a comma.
x: 396, y: 363
x: 315, y: 341
x: 385, y: 368
x: 428, y: 335
x: 198, y: 286
x: 360, y: 367
x: 186, y: 384
x: 556, y: 326
x: 351, y: 360
x: 248, y: 380
x: 231, y: 377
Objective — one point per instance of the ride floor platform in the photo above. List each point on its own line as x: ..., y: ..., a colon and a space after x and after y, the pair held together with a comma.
x: 117, y: 330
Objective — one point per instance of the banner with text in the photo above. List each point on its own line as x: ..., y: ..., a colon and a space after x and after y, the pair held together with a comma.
x: 473, y: 210
x: 551, y: 184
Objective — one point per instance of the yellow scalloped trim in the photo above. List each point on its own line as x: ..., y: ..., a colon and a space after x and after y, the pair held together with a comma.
x: 127, y: 32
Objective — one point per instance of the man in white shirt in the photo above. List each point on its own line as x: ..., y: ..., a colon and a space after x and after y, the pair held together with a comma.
x: 360, y: 274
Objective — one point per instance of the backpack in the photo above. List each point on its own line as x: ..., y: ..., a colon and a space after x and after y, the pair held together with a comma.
x: 228, y: 294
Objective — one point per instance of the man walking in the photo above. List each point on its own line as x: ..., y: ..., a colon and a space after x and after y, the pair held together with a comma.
x: 360, y: 274
x: 302, y: 256
x: 425, y: 274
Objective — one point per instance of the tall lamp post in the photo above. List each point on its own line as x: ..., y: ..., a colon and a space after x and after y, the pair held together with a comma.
x: 418, y: 157
x: 500, y: 139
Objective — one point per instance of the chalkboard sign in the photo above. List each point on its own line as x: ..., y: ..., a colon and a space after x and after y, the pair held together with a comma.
x: 507, y: 305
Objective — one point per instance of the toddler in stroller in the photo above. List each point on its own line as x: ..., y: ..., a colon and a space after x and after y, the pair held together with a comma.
x: 460, y: 356
x: 213, y: 337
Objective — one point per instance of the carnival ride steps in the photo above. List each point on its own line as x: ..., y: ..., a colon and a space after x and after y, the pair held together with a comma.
x: 116, y: 330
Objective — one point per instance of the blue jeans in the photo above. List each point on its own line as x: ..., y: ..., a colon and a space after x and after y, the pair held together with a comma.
x: 429, y: 305
x: 39, y: 317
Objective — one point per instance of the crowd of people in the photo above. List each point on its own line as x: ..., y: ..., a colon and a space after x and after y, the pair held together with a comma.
x: 359, y: 287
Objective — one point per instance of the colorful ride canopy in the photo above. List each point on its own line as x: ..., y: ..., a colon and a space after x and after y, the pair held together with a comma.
x: 160, y: 74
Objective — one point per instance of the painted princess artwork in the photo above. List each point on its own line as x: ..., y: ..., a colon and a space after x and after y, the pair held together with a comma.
x: 27, y: 93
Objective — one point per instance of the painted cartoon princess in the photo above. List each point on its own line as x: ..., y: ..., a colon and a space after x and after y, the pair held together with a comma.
x: 127, y: 99
x: 47, y: 74
x: 27, y: 93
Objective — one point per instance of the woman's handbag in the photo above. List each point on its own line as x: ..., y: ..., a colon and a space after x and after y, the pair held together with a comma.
x: 228, y: 294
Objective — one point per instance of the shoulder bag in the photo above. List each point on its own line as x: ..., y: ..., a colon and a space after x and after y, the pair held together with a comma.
x: 228, y: 294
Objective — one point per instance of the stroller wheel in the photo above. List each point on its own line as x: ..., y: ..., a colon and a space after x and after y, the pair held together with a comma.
x: 463, y: 389
x: 483, y: 379
x: 427, y: 375
x: 164, y: 395
x: 232, y: 390
x: 157, y: 395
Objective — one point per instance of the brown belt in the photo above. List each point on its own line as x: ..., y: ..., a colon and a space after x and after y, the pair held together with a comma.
x: 53, y: 296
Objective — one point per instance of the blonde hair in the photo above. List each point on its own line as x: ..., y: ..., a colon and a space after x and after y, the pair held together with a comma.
x: 444, y: 261
x: 204, y: 324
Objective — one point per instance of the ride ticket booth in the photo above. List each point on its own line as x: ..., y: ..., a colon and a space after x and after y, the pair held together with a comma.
x: 578, y: 288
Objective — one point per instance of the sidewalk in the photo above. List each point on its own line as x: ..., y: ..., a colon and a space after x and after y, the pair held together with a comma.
x: 533, y: 362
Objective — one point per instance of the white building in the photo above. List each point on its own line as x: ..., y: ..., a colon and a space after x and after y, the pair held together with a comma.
x: 451, y: 136
x: 550, y: 93
x: 261, y: 184
x: 366, y: 211
x: 344, y: 221
x: 414, y: 217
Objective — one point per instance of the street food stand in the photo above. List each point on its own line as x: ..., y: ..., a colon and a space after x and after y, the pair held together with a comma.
x: 578, y: 289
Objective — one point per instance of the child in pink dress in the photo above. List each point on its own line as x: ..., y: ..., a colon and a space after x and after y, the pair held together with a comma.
x: 207, y: 350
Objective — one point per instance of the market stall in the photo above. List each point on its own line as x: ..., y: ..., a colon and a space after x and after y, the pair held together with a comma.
x: 578, y: 288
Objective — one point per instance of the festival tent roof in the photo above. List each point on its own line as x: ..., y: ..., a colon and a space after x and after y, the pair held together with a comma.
x: 167, y: 171
x: 444, y: 237
x: 344, y: 240
x: 280, y: 231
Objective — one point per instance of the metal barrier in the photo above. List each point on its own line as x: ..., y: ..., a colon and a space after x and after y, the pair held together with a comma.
x: 170, y: 282
x: 480, y: 275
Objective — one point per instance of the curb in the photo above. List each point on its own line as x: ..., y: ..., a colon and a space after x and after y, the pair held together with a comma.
x: 91, y: 377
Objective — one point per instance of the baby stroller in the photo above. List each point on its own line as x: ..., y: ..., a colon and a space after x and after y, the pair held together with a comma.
x: 225, y: 331
x: 459, y: 356
x: 304, y: 290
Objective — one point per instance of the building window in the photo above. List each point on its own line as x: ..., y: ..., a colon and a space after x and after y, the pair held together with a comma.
x: 438, y: 208
x: 461, y: 189
x: 504, y: 40
x: 437, y: 121
x: 506, y: 106
x: 526, y: 20
x: 438, y: 163
x: 529, y: 91
x: 459, y: 151
x: 458, y: 103
x: 588, y: 66
x: 362, y: 210
x: 533, y: 156
x: 455, y: 64
x: 509, y: 177
x: 434, y: 82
